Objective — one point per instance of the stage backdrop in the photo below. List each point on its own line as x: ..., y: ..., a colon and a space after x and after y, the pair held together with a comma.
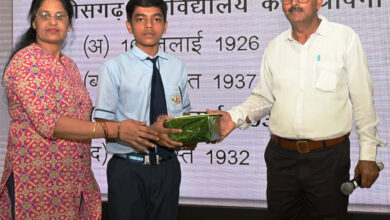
x: 222, y: 43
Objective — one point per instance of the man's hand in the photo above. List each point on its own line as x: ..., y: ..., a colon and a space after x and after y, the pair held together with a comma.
x: 227, y: 125
x: 163, y: 132
x: 137, y: 134
x: 369, y: 172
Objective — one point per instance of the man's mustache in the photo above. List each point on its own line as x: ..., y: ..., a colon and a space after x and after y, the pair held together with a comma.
x: 295, y: 8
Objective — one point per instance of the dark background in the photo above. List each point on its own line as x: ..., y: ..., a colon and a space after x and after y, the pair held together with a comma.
x: 190, y: 212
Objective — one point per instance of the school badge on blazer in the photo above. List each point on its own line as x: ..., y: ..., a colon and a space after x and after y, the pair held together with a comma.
x: 176, y: 99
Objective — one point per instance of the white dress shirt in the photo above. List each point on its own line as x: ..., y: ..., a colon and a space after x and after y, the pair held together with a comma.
x: 315, y: 90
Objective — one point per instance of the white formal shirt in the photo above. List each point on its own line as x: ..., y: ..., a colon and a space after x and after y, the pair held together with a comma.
x: 315, y: 90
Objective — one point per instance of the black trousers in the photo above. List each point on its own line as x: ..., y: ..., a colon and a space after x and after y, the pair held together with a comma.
x: 143, y: 192
x: 307, y: 186
x: 11, y: 193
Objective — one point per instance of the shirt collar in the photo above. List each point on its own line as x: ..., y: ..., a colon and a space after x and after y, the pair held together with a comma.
x: 321, y: 30
x: 143, y: 56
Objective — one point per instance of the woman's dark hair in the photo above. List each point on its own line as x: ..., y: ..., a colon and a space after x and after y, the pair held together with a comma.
x: 132, y: 4
x: 29, y: 36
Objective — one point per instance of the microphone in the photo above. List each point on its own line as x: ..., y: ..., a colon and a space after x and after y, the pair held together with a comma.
x: 347, y: 188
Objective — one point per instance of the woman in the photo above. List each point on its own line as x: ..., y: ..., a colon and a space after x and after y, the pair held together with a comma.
x: 47, y: 171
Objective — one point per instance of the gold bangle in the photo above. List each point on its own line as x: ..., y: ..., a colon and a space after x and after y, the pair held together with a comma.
x: 119, y: 129
x: 107, y: 130
x: 94, y: 130
x: 104, y: 129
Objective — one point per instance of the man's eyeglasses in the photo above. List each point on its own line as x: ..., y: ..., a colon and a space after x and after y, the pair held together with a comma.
x: 59, y: 16
x: 286, y: 2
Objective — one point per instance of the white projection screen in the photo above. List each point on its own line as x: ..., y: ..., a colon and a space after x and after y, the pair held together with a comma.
x: 222, y: 43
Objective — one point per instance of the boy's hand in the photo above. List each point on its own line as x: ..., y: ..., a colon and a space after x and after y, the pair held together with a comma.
x: 138, y: 134
x: 163, y: 132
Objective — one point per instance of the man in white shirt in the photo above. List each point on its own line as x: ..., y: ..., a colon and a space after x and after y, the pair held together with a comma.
x: 314, y: 82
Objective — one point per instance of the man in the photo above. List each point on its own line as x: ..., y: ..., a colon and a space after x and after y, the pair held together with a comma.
x: 313, y: 76
x: 143, y: 84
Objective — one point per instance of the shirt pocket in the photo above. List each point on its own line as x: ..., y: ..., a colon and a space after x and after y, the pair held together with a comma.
x: 174, y: 100
x: 327, y: 76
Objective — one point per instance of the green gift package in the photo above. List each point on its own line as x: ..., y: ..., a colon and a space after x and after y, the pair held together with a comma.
x: 195, y: 128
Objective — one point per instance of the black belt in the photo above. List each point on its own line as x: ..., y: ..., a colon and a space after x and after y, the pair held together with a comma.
x: 144, y: 158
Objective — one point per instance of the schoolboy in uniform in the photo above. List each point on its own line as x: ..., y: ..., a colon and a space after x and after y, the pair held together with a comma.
x: 143, y: 183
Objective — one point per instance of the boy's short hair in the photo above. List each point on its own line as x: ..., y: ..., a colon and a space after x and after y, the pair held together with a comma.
x: 132, y: 4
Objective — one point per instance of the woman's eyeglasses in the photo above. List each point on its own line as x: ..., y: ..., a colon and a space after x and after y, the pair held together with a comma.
x: 45, y: 15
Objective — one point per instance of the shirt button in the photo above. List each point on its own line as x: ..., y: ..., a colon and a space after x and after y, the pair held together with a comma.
x: 81, y: 156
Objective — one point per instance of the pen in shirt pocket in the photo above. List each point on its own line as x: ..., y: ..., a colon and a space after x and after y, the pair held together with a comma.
x: 318, y: 63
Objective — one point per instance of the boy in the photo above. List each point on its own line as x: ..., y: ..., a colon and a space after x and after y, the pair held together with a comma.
x: 143, y: 183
